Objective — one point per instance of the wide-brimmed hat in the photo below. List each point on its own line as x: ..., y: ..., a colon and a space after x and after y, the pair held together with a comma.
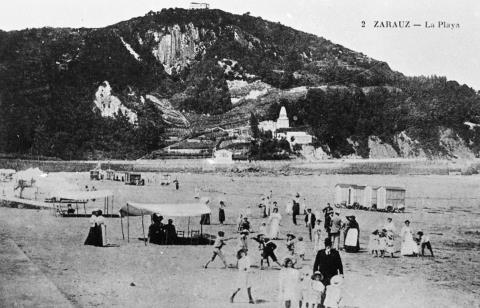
x: 291, y: 235
x: 350, y: 217
x: 407, y: 221
x: 286, y: 260
x: 317, y: 274
x: 245, y: 231
x: 336, y: 280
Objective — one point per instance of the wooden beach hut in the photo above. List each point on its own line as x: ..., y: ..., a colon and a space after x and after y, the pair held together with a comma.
x: 370, y: 196
x: 389, y: 196
x: 348, y: 194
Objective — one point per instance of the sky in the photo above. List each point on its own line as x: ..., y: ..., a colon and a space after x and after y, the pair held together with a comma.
x: 451, y: 52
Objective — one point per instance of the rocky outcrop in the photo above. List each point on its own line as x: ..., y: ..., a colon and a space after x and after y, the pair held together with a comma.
x: 169, y: 114
x: 454, y: 145
x: 379, y: 149
x: 110, y: 105
x: 175, y: 48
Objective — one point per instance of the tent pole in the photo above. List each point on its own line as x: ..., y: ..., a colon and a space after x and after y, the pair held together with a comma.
x: 121, y: 224
x: 128, y: 224
x: 112, y: 202
x: 188, y: 226
x: 143, y: 228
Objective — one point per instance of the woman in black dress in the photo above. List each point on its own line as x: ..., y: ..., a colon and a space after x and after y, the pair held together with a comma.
x: 221, y: 213
x: 156, y: 234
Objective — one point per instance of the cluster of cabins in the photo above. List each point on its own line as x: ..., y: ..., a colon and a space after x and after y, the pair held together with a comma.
x: 380, y: 198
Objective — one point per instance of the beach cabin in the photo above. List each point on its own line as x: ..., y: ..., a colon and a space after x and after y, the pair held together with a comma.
x: 110, y: 175
x: 370, y: 196
x: 388, y: 196
x: 95, y: 175
x: 134, y: 179
x: 348, y: 194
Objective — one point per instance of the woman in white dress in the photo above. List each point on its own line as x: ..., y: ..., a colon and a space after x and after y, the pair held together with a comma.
x: 290, y: 290
x: 409, y: 246
x: 274, y: 219
x: 317, y: 237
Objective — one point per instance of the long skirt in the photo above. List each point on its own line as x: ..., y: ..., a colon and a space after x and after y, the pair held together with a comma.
x: 221, y: 215
x: 205, y: 219
x: 409, y: 247
x: 351, y: 241
x: 94, y: 237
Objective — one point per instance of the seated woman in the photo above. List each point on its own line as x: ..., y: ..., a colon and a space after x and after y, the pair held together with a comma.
x: 156, y: 233
x: 170, y: 233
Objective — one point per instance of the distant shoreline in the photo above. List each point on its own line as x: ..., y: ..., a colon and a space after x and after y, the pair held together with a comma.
x: 294, y: 167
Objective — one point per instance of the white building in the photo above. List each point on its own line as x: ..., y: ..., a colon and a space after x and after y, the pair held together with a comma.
x: 282, y: 122
x: 223, y: 157
x: 296, y: 137
x: 199, y: 6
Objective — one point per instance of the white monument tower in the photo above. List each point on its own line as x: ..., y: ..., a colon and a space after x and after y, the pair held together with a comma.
x: 282, y: 121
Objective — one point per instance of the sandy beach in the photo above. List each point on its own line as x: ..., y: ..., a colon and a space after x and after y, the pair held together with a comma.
x: 132, y: 274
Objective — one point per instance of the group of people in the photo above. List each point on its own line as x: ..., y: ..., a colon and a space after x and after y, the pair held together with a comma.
x: 382, y: 241
x: 161, y: 234
x: 321, y: 286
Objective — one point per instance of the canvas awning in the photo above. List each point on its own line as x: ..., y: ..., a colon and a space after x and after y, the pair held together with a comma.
x: 7, y: 171
x: 165, y: 209
x: 82, y: 195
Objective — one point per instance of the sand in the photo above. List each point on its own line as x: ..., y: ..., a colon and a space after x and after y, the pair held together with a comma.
x: 445, y: 207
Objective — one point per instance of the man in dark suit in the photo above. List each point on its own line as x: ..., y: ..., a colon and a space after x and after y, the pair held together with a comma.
x: 310, y: 222
x: 328, y: 262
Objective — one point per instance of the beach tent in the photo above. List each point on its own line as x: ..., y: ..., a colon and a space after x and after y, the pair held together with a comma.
x: 163, y: 209
x: 81, y: 197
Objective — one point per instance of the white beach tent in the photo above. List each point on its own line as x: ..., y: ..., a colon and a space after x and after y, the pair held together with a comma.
x: 163, y: 209
x: 82, y: 197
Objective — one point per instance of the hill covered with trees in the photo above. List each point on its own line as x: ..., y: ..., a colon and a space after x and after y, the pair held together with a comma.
x: 175, y: 70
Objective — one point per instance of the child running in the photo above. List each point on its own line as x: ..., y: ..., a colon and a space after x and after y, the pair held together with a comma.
x: 217, y: 249
x: 267, y: 249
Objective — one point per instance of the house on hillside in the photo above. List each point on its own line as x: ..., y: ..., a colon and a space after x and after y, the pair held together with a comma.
x: 293, y: 138
x: 199, y: 6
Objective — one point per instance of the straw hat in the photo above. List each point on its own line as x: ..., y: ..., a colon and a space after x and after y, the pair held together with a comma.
x: 317, y: 274
x: 336, y: 280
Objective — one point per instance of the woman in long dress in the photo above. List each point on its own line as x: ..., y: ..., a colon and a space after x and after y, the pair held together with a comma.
x: 221, y: 213
x: 409, y: 246
x: 274, y: 219
x: 94, y: 237
x: 290, y: 290
x: 352, y: 235
x: 317, y: 237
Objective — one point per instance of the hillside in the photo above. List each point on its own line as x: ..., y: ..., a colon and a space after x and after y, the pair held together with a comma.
x: 120, y: 91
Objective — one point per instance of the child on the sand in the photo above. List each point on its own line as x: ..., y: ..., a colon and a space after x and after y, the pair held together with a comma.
x: 333, y: 295
x: 374, y: 243
x: 243, y: 276
x: 315, y: 291
x: 382, y: 242
x: 300, y: 248
x: 217, y: 249
x: 390, y: 243
x: 267, y: 250
x: 263, y: 228
x: 424, y: 241
x: 291, y: 243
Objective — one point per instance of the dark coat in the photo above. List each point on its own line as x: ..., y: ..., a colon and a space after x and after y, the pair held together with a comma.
x: 329, y: 265
x: 312, y: 220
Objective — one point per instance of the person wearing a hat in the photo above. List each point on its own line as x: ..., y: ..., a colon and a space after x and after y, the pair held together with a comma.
x: 315, y: 291
x: 351, y: 242
x: 317, y: 237
x: 245, y: 224
x: 333, y: 294
x: 328, y: 212
x: 328, y: 262
x: 267, y: 250
x: 290, y: 288
x: 409, y: 246
x: 94, y: 237
x: 221, y: 212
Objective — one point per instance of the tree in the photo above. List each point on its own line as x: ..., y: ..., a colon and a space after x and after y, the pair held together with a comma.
x: 254, y: 126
